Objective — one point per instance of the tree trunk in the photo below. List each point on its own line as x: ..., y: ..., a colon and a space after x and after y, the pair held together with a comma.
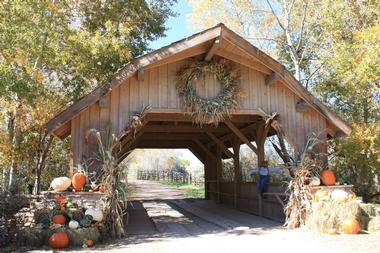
x: 41, y: 162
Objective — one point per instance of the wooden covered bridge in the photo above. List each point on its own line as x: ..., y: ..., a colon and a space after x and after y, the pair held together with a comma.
x: 261, y: 87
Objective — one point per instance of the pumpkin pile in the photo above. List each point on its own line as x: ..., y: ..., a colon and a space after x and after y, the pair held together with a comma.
x: 61, y: 220
x: 334, y: 211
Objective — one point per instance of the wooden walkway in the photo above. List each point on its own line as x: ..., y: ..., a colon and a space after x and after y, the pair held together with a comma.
x: 159, y: 209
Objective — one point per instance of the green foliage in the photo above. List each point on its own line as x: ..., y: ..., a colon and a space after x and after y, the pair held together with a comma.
x: 51, y: 54
x: 190, y: 190
x: 357, y: 160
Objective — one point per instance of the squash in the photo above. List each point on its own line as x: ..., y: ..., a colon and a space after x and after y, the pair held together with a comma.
x: 73, y: 224
x: 59, y: 240
x: 339, y: 195
x: 321, y: 195
x: 315, y: 181
x: 59, y: 219
x: 102, y: 188
x: 60, y: 184
x: 78, y: 181
x: 95, y: 213
x: 332, y: 231
x: 328, y: 177
x: 89, y: 243
x: 351, y: 226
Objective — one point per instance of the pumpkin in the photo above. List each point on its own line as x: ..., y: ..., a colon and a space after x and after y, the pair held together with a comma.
x: 59, y: 240
x: 60, y: 184
x: 95, y: 213
x: 328, y: 177
x: 59, y: 219
x: 321, y: 195
x: 73, y: 224
x: 78, y: 181
x: 102, y: 188
x: 89, y: 243
x: 351, y: 226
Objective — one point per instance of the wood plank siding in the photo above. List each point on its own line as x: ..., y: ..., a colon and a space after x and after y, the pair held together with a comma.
x: 157, y: 88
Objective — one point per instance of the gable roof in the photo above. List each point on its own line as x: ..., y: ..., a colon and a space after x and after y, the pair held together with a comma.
x: 216, y: 33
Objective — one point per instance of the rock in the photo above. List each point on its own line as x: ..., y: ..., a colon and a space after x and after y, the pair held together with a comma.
x: 80, y: 235
x: 374, y: 224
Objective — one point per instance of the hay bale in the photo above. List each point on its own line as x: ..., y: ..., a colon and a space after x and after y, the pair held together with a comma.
x: 374, y: 224
x: 323, y: 215
x: 80, y: 235
x: 33, y: 237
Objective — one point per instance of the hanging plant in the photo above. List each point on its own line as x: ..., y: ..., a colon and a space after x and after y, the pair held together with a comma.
x: 212, y: 110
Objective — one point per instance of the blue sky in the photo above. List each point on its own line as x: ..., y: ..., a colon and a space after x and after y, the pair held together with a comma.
x: 178, y: 27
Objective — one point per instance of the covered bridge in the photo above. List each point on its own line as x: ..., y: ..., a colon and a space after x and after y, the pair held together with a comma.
x: 262, y: 87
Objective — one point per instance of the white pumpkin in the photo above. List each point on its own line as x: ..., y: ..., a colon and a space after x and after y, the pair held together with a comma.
x: 73, y: 224
x: 315, y: 181
x: 96, y: 213
x: 60, y: 184
x: 339, y: 195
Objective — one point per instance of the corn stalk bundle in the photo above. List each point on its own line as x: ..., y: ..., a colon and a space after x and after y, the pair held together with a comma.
x: 300, y: 196
x: 114, y: 195
x: 213, y: 110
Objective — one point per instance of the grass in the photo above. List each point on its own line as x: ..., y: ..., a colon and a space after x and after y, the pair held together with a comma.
x: 190, y: 190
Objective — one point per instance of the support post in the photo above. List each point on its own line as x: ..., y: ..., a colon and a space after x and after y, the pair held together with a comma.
x: 237, y: 171
x: 218, y: 165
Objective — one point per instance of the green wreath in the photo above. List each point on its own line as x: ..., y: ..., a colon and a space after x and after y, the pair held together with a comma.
x: 213, y: 110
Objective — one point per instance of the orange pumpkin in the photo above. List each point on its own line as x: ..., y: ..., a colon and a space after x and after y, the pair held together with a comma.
x: 328, y: 177
x: 78, y: 181
x: 59, y: 219
x: 102, y: 188
x: 59, y: 240
x: 351, y: 226
x: 89, y: 243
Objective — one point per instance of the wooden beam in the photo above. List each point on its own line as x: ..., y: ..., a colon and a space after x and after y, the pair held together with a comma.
x: 140, y: 74
x: 248, y: 62
x: 215, y: 46
x: 244, y: 130
x: 239, y: 134
x: 188, y: 128
x: 272, y: 78
x: 302, y: 106
x: 206, y: 150
x: 220, y: 144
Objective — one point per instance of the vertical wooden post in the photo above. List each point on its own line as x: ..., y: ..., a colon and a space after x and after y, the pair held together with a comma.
x: 218, y: 165
x: 207, y: 173
x: 260, y: 141
x: 237, y: 171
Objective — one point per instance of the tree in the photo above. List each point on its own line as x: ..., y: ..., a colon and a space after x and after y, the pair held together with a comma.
x: 281, y: 28
x: 51, y: 53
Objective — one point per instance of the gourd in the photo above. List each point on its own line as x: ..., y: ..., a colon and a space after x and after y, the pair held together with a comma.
x: 321, y: 195
x: 96, y: 214
x: 60, y: 184
x: 59, y: 219
x: 328, y: 177
x: 339, y: 195
x: 78, y: 181
x: 315, y: 181
x: 102, y: 188
x: 351, y: 226
x: 332, y: 231
x: 89, y: 243
x: 59, y: 240
x: 73, y: 224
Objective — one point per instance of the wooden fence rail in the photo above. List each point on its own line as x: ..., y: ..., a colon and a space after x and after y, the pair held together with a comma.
x: 170, y: 176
